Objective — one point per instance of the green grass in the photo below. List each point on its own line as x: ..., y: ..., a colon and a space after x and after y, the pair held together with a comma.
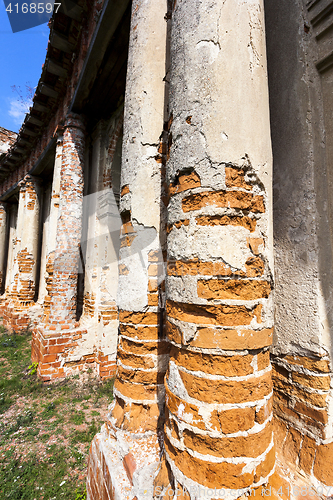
x: 45, y: 430
x: 77, y: 417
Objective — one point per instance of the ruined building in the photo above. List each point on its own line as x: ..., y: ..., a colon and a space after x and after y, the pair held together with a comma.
x: 140, y: 236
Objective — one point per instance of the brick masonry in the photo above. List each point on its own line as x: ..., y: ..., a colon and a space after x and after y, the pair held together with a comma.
x: 137, y: 412
x: 59, y: 343
x: 17, y: 303
x: 7, y: 138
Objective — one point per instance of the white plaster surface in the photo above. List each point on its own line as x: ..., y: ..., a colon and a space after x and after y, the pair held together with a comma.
x: 222, y: 47
x: 206, y: 243
x: 11, y: 245
x: 3, y: 226
x: 45, y: 228
x: 144, y: 116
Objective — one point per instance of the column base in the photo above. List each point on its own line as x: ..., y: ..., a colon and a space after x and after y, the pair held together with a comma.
x: 106, y: 367
x: 64, y: 352
x: 122, y: 467
x: 303, y: 465
x: 18, y: 316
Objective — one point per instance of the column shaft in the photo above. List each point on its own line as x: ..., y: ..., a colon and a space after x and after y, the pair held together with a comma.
x: 218, y: 431
x: 51, y: 233
x: 101, y: 257
x: 58, y: 344
x: 23, y: 286
x: 28, y: 253
x: 11, y: 244
x: 142, y: 351
x: 90, y: 308
x: 3, y: 241
x: 45, y: 219
x: 69, y: 225
x: 17, y: 240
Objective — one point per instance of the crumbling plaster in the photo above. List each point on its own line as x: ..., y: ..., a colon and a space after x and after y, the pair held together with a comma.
x: 302, y: 225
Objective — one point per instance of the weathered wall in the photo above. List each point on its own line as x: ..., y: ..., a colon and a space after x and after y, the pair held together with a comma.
x: 302, y: 235
x: 101, y: 244
x: 297, y: 137
x: 7, y: 138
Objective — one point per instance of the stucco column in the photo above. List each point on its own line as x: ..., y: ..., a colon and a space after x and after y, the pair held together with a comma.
x: 142, y: 350
x: 46, y: 206
x: 17, y: 239
x: 3, y: 233
x: 218, y: 431
x: 26, y: 243
x: 100, y: 313
x: 50, y: 236
x: 27, y: 254
x: 69, y: 225
x: 93, y: 244
x: 12, y: 218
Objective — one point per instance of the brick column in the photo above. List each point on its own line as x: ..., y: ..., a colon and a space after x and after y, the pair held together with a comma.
x: 3, y: 233
x: 51, y: 236
x: 218, y: 431
x: 142, y: 350
x: 57, y: 344
x: 69, y: 225
x: 26, y: 258
x: 22, y: 285
x: 137, y: 413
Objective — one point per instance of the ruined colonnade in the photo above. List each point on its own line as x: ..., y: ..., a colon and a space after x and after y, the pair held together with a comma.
x: 42, y: 272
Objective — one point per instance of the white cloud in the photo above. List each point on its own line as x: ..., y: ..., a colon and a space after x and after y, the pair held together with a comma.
x: 18, y: 109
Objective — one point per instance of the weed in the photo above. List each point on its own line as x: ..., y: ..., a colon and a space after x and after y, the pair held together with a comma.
x: 33, y: 368
x: 30, y: 433
x: 8, y: 341
x: 80, y: 496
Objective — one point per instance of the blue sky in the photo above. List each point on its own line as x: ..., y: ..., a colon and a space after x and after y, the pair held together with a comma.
x: 22, y: 55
